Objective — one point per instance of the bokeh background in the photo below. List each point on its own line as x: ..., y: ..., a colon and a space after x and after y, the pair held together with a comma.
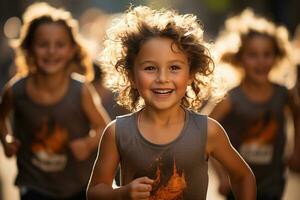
x: 94, y: 16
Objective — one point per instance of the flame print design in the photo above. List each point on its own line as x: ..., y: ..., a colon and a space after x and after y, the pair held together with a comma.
x: 49, y: 147
x: 174, y: 188
x: 262, y: 131
x: 258, y: 143
x: 49, y: 141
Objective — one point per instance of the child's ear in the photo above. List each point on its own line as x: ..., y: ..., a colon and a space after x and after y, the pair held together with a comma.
x: 132, y: 84
x: 191, y: 79
x: 74, y: 51
x: 131, y: 80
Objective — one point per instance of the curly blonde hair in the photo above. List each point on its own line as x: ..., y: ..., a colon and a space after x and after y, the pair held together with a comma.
x: 42, y: 13
x: 126, y: 37
x: 239, y: 29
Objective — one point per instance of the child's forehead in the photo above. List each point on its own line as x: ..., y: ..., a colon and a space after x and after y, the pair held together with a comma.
x: 51, y: 27
x: 260, y: 35
x: 57, y: 24
x: 51, y: 31
x: 162, y: 43
x: 161, y: 47
x: 259, y: 38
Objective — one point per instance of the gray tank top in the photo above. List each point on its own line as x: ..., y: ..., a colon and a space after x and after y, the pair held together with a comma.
x: 256, y: 130
x: 45, y: 162
x: 179, y: 168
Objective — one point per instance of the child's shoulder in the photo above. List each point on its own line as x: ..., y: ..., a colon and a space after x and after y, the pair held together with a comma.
x: 14, y: 88
x: 215, y: 134
x: 126, y: 117
x: 235, y: 90
x: 79, y: 81
x: 16, y: 83
x: 281, y: 92
x: 280, y: 88
x: 75, y: 77
x: 196, y: 114
x: 198, y: 118
x: 16, y: 80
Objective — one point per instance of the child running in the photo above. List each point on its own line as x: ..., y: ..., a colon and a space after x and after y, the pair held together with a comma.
x: 253, y: 112
x: 56, y: 118
x: 163, y: 71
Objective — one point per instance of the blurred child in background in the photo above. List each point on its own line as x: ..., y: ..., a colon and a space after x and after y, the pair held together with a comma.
x: 57, y: 116
x: 253, y: 113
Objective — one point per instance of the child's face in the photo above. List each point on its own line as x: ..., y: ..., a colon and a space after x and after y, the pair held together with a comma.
x: 257, y: 58
x: 52, y: 48
x: 160, y: 74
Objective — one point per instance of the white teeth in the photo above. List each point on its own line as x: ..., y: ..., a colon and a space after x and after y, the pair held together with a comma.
x: 51, y: 62
x: 162, y: 91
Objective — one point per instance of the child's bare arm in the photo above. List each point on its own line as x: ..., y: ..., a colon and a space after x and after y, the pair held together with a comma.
x: 98, y: 118
x: 100, y: 185
x: 294, y: 105
x: 221, y: 109
x: 241, y: 177
x: 224, y: 183
x: 218, y: 113
x: 95, y: 111
x: 10, y: 143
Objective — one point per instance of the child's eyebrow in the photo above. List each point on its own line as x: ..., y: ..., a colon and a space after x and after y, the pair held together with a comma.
x: 170, y: 61
x: 178, y: 60
x: 146, y: 62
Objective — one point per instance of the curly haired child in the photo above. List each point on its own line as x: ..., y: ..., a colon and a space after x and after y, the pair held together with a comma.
x: 163, y: 71
x: 56, y: 117
x: 253, y: 112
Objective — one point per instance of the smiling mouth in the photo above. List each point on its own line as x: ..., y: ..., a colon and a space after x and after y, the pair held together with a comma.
x: 51, y: 62
x: 262, y: 71
x: 163, y: 91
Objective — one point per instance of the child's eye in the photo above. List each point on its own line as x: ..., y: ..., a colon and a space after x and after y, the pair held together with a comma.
x: 149, y: 68
x: 252, y: 55
x: 174, y: 67
x: 42, y: 44
x: 269, y: 54
x: 60, y: 45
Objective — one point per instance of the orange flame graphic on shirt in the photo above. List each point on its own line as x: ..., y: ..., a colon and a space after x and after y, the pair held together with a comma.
x: 174, y: 188
x: 50, y: 141
x: 262, y: 132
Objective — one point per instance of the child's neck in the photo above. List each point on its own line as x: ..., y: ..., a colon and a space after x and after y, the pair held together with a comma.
x: 162, y: 117
x: 50, y: 82
x: 161, y: 127
x: 46, y: 90
x: 257, y: 86
x: 257, y: 92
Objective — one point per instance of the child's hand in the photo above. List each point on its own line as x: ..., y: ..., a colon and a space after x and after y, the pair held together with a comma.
x: 140, y: 188
x: 11, y: 146
x: 80, y: 148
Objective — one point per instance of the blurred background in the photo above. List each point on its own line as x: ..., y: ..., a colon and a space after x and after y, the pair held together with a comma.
x: 94, y: 16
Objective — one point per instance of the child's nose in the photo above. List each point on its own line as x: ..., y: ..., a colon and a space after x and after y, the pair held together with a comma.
x: 51, y: 49
x: 163, y: 76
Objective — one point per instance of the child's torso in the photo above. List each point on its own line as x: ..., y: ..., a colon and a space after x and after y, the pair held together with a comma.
x: 256, y: 130
x: 44, y: 159
x: 179, y: 168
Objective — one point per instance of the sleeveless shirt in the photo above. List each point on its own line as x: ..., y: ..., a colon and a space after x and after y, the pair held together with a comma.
x: 45, y: 162
x: 179, y: 168
x: 256, y: 130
